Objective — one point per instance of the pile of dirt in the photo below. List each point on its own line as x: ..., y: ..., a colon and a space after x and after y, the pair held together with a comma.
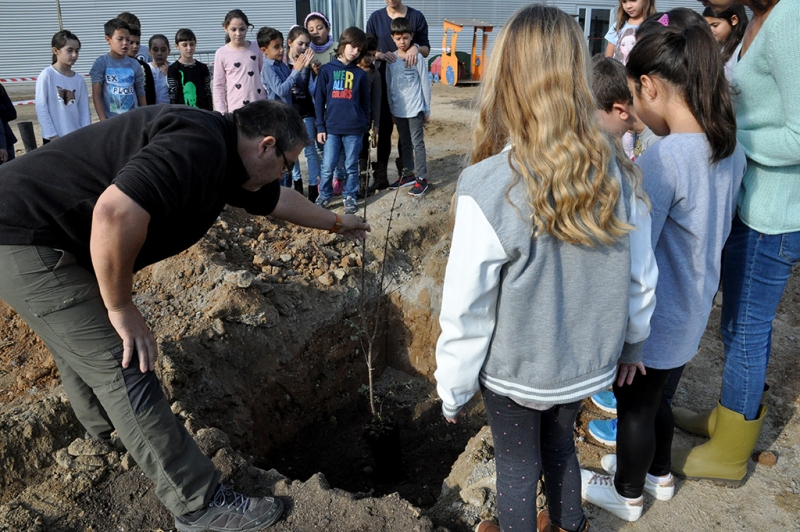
x: 259, y: 330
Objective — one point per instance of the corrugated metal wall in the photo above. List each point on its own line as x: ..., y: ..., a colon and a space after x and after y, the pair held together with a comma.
x: 496, y: 12
x: 26, y: 27
x: 435, y: 11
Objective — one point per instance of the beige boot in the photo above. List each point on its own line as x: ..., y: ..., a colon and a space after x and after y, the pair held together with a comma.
x: 700, y: 423
x: 724, y: 457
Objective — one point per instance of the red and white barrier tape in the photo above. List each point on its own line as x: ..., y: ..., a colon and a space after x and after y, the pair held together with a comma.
x: 24, y: 102
x: 16, y: 80
x: 26, y: 79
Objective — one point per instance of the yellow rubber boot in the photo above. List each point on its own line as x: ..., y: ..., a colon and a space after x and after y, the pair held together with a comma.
x: 724, y: 457
x: 700, y: 423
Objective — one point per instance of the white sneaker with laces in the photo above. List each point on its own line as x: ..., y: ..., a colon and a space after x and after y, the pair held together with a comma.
x: 663, y: 491
x: 600, y: 491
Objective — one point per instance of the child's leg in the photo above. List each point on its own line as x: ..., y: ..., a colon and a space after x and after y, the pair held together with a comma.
x: 665, y: 426
x: 562, y: 474
x: 406, y: 144
x: 330, y: 157
x: 515, y: 431
x: 637, y: 406
x: 417, y: 130
x: 352, y: 145
x: 341, y: 170
x: 310, y: 151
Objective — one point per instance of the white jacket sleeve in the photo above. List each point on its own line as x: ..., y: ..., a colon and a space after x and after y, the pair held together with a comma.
x: 42, y: 95
x: 82, y: 101
x: 469, y: 303
x: 642, y: 288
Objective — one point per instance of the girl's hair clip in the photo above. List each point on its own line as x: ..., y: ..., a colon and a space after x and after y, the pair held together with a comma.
x: 664, y: 20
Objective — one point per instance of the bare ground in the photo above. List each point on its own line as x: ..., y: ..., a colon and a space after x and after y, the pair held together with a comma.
x: 258, y: 327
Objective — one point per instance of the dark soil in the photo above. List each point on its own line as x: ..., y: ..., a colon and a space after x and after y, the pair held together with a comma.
x: 338, y: 448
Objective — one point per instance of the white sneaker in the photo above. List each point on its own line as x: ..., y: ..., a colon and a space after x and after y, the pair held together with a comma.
x: 663, y: 491
x: 600, y: 491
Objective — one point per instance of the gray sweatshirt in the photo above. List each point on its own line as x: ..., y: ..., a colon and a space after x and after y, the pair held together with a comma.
x: 536, y: 319
x: 409, y: 88
x: 693, y: 205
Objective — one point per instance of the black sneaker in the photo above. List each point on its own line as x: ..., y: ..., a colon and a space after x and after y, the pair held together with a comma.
x: 420, y: 188
x: 322, y: 201
x: 230, y: 511
x: 404, y: 181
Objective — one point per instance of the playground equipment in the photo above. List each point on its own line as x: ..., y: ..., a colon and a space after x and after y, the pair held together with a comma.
x: 451, y: 74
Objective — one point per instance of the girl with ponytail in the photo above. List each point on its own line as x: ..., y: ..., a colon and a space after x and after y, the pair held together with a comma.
x: 692, y: 176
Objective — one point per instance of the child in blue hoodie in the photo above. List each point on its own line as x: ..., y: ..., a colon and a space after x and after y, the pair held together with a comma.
x: 342, y: 104
x: 282, y: 82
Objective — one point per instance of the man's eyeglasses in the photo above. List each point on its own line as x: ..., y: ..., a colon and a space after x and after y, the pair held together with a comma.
x: 287, y: 167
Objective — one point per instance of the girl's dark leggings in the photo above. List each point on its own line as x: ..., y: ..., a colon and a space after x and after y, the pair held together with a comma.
x: 526, y: 443
x: 645, y: 428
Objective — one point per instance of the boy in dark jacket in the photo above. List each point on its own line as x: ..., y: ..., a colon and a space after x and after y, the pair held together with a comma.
x: 342, y: 104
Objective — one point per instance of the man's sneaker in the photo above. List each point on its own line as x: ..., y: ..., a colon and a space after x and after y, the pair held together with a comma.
x: 322, y: 201
x: 230, y: 511
x: 604, y: 431
x: 338, y: 187
x: 605, y: 401
x: 419, y: 188
x: 600, y: 491
x: 663, y: 491
x: 350, y: 205
x: 404, y: 181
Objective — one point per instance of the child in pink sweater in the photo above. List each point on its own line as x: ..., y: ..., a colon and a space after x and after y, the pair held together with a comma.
x: 237, y: 66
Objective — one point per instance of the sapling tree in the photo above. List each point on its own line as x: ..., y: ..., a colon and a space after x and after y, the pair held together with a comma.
x: 368, y: 332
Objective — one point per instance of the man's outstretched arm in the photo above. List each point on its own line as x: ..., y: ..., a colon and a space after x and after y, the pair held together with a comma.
x: 295, y: 208
x: 119, y: 229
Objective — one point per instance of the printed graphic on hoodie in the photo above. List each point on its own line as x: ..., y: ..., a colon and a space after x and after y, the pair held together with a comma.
x: 343, y: 85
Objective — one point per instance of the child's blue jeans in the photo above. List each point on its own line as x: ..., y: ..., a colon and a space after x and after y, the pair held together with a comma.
x: 312, y: 157
x: 333, y: 146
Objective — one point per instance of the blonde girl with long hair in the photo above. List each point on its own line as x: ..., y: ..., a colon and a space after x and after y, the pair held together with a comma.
x: 551, y: 278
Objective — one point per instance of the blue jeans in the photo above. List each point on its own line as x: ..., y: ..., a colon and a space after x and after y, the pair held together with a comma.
x: 312, y: 157
x: 339, y: 172
x: 754, y: 274
x: 333, y: 146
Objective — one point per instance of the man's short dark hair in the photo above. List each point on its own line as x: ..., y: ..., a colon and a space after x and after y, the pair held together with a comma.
x: 609, y: 83
x: 266, y: 35
x: 264, y: 118
x: 183, y: 35
x: 115, y: 24
x: 401, y: 25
